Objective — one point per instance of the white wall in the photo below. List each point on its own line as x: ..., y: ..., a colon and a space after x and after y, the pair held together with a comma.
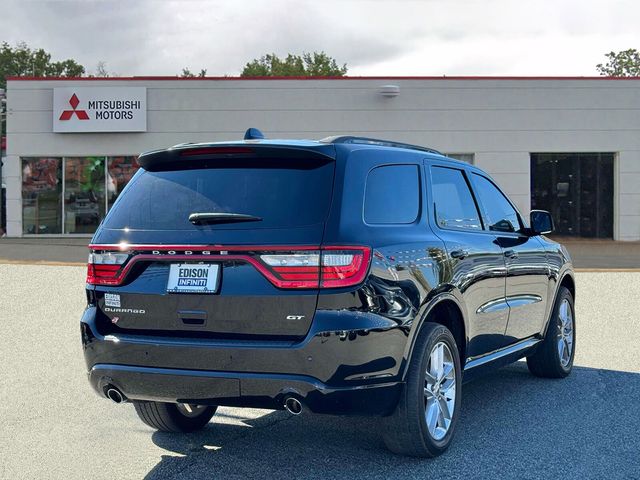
x: 628, y: 198
x: 499, y: 120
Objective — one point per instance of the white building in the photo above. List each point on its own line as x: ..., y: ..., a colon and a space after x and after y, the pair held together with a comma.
x: 568, y: 145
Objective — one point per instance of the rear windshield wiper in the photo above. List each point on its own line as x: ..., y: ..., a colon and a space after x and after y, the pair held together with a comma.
x: 204, y: 218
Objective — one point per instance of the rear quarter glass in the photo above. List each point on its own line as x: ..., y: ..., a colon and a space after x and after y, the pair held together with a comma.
x: 285, y: 193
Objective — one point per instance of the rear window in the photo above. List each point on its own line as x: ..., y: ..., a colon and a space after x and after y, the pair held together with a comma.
x: 284, y: 193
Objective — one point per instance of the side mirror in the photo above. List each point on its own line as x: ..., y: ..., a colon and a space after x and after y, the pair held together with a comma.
x: 541, y: 222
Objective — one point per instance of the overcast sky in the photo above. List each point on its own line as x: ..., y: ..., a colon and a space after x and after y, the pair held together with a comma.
x: 374, y: 37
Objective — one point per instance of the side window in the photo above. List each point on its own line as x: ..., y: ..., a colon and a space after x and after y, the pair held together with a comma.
x: 392, y: 194
x: 497, y: 212
x: 454, y: 205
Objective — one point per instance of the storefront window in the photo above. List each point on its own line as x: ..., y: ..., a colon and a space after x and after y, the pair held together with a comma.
x: 84, y: 198
x: 74, y: 202
x: 119, y: 172
x: 41, y: 195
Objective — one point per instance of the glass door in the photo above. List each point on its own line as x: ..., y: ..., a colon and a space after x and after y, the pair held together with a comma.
x: 84, y: 194
x: 577, y: 188
x: 41, y: 194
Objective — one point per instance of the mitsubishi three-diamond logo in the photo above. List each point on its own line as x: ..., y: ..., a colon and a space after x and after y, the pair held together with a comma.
x: 67, y: 114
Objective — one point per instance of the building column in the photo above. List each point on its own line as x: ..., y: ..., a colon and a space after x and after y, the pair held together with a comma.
x: 12, y: 177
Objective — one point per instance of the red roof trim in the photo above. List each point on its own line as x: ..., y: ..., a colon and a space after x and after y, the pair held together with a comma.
x: 148, y: 78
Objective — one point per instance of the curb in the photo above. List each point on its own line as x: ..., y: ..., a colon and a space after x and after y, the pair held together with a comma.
x: 586, y: 269
x: 7, y: 261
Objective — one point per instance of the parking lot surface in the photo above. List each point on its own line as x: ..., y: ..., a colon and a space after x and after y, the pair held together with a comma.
x: 513, y: 425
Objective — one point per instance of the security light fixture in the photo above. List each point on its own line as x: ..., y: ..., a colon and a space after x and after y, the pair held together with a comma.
x: 389, y: 91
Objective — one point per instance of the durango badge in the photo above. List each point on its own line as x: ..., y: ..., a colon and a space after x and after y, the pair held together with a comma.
x: 126, y: 310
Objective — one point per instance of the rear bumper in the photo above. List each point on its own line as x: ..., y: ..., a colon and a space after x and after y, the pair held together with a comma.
x: 242, y: 389
x: 354, y: 369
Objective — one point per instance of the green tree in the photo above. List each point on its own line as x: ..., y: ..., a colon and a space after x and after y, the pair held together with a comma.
x: 186, y: 73
x: 625, y: 63
x: 316, y: 64
x: 22, y: 61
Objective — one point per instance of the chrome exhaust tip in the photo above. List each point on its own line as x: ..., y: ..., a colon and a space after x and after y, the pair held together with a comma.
x: 293, y: 406
x: 114, y: 395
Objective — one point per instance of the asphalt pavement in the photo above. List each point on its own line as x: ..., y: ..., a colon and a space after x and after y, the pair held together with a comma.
x: 512, y: 425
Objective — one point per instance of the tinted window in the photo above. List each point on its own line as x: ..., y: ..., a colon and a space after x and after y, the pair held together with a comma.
x: 454, y: 205
x: 392, y: 194
x: 497, y: 212
x: 284, y: 193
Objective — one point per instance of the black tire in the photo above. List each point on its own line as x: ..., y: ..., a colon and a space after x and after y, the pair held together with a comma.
x: 166, y: 417
x: 406, y: 431
x: 546, y: 361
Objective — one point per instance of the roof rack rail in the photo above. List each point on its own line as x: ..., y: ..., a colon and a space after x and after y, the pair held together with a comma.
x: 376, y: 141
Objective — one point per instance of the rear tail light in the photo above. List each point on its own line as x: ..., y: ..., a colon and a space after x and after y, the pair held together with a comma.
x: 330, y: 267
x: 343, y: 268
x: 327, y: 267
x: 105, y: 268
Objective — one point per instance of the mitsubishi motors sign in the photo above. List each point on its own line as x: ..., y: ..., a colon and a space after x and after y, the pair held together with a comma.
x: 99, y: 109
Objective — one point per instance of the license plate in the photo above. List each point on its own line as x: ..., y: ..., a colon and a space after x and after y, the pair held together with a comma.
x: 193, y: 278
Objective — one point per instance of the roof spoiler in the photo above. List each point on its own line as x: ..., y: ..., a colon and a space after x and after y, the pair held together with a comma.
x: 160, y: 159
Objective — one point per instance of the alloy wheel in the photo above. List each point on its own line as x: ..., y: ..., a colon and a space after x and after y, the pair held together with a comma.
x: 439, y: 391
x: 565, y: 333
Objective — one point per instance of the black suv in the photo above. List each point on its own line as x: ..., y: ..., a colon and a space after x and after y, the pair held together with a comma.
x: 343, y: 276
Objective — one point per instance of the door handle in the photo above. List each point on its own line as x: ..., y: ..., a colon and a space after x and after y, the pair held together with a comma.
x: 192, y: 318
x: 459, y: 254
x: 511, y: 254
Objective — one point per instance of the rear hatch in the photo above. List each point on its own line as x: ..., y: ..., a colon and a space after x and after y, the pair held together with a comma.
x: 219, y: 242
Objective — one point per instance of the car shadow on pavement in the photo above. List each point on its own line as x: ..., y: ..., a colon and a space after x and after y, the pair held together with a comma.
x: 512, y: 425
